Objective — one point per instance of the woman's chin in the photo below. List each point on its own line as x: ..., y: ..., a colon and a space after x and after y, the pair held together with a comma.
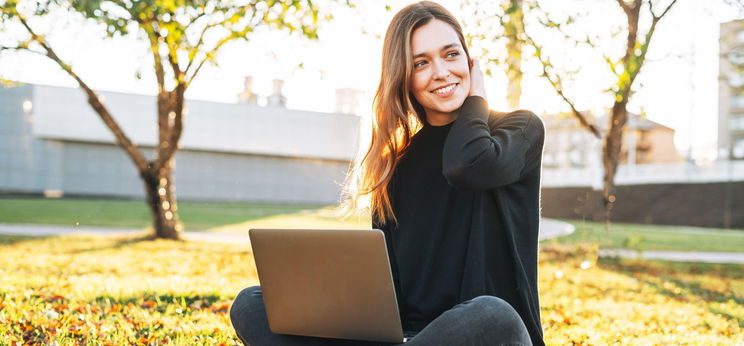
x: 451, y: 106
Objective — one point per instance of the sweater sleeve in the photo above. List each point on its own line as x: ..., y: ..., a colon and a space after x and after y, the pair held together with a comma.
x: 476, y: 157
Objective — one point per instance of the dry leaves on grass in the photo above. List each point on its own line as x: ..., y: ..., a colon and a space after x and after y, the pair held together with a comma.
x: 80, y: 291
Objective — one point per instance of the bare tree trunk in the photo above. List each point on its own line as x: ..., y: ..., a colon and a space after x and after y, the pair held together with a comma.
x: 513, y: 30
x: 161, y: 198
x: 611, y: 153
x: 158, y: 178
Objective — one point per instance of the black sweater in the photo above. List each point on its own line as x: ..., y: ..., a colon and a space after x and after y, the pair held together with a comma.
x: 467, y: 199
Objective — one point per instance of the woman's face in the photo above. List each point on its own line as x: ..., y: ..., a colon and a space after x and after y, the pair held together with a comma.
x: 441, y: 73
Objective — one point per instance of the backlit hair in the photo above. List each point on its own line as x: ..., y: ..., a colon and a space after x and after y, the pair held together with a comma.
x: 396, y: 113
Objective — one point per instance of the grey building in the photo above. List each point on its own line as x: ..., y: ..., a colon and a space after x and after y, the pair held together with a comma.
x: 731, y: 102
x: 52, y: 142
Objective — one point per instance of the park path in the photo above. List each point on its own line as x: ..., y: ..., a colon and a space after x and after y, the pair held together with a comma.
x: 676, y: 256
x: 549, y: 229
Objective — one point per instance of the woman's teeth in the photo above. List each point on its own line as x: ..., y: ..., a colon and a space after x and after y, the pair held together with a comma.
x: 443, y: 91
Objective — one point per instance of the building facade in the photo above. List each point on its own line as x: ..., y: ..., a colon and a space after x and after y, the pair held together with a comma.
x: 731, y: 91
x: 568, y: 145
x: 52, y: 142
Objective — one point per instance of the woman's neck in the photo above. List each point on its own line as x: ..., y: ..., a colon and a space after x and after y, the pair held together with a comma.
x: 440, y: 119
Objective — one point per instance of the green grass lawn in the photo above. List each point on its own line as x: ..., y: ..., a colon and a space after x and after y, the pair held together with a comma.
x: 238, y: 218
x: 196, y: 216
x: 654, y: 237
x: 76, y: 290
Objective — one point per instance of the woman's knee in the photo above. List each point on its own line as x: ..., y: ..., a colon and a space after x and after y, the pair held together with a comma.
x: 246, y: 301
x: 492, y: 303
x: 496, y: 311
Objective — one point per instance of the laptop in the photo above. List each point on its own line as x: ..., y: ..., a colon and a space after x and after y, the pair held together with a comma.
x: 327, y: 283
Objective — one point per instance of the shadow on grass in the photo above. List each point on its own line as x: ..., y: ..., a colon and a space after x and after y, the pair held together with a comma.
x: 162, y: 301
x: 683, y: 289
x: 166, y: 298
x: 15, y: 239
x: 122, y: 241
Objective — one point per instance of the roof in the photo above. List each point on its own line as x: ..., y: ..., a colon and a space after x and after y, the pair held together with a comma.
x: 63, y: 113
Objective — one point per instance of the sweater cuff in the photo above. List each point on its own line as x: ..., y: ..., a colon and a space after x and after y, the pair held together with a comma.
x: 474, y: 107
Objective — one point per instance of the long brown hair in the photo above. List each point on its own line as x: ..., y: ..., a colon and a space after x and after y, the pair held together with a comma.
x: 396, y: 113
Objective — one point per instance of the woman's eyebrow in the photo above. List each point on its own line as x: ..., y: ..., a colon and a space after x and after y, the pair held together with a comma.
x: 441, y: 49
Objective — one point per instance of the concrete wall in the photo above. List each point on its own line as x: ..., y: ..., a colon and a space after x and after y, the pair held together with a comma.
x: 64, y: 114
x: 269, y: 155
x: 717, y: 204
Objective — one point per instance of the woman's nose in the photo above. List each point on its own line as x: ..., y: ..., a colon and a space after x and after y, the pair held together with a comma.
x: 441, y: 70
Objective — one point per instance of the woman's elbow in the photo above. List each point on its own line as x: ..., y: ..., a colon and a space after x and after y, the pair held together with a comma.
x: 456, y: 177
x: 462, y: 178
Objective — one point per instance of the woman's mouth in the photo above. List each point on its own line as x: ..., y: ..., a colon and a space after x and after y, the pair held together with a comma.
x: 446, y: 91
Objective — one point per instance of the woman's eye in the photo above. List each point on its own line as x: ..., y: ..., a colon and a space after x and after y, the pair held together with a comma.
x: 419, y: 64
x: 453, y: 54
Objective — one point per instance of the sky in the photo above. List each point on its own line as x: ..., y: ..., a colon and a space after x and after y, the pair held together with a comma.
x: 678, y: 85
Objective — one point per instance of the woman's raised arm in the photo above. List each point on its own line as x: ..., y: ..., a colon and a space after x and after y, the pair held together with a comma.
x: 476, y: 157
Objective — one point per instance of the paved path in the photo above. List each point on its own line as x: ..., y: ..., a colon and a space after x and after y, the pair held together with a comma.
x: 53, y: 230
x: 548, y: 229
x: 677, y: 256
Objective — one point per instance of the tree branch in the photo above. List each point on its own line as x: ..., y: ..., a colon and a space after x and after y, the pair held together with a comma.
x: 624, y: 6
x: 662, y: 13
x: 154, y: 38
x: 22, y: 49
x: 93, y: 100
x: 211, y: 54
x: 555, y: 82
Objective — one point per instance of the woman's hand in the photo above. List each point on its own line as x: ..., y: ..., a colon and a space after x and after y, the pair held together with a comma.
x: 477, y: 87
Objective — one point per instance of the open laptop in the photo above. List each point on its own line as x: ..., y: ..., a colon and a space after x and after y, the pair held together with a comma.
x: 327, y: 283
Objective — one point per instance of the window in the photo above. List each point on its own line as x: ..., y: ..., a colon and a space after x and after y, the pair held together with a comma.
x: 562, y: 158
x: 738, y: 148
x: 576, y: 137
x: 735, y: 80
x: 577, y: 159
x: 736, y: 122
x: 548, y: 159
x: 737, y: 101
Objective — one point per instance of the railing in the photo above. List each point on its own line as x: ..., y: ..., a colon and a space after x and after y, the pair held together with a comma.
x: 657, y: 173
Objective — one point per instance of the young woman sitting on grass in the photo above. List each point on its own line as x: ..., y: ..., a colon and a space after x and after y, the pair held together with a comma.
x: 454, y: 186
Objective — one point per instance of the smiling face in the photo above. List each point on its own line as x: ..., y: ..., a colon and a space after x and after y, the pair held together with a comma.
x: 441, y: 75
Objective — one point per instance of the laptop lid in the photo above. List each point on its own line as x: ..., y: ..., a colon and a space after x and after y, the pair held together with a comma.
x: 327, y: 283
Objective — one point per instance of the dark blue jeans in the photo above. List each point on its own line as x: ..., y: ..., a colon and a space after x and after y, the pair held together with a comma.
x: 484, y: 320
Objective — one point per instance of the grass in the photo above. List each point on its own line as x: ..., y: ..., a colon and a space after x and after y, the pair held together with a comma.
x: 230, y: 217
x: 238, y: 218
x: 114, y: 291
x: 654, y: 237
x: 618, y: 301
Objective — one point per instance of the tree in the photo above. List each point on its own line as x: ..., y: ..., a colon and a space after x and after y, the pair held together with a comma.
x: 183, y: 36
x: 507, y: 31
x: 625, y: 69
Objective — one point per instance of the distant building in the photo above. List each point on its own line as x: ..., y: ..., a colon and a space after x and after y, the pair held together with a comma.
x: 567, y: 144
x: 731, y: 102
x: 350, y: 101
x: 277, y: 98
x: 51, y: 141
x: 645, y: 141
x: 248, y: 96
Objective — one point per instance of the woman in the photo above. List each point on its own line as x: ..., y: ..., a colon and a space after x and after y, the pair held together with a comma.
x: 454, y: 187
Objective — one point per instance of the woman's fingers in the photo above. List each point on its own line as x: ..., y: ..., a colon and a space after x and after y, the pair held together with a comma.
x: 477, y: 86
